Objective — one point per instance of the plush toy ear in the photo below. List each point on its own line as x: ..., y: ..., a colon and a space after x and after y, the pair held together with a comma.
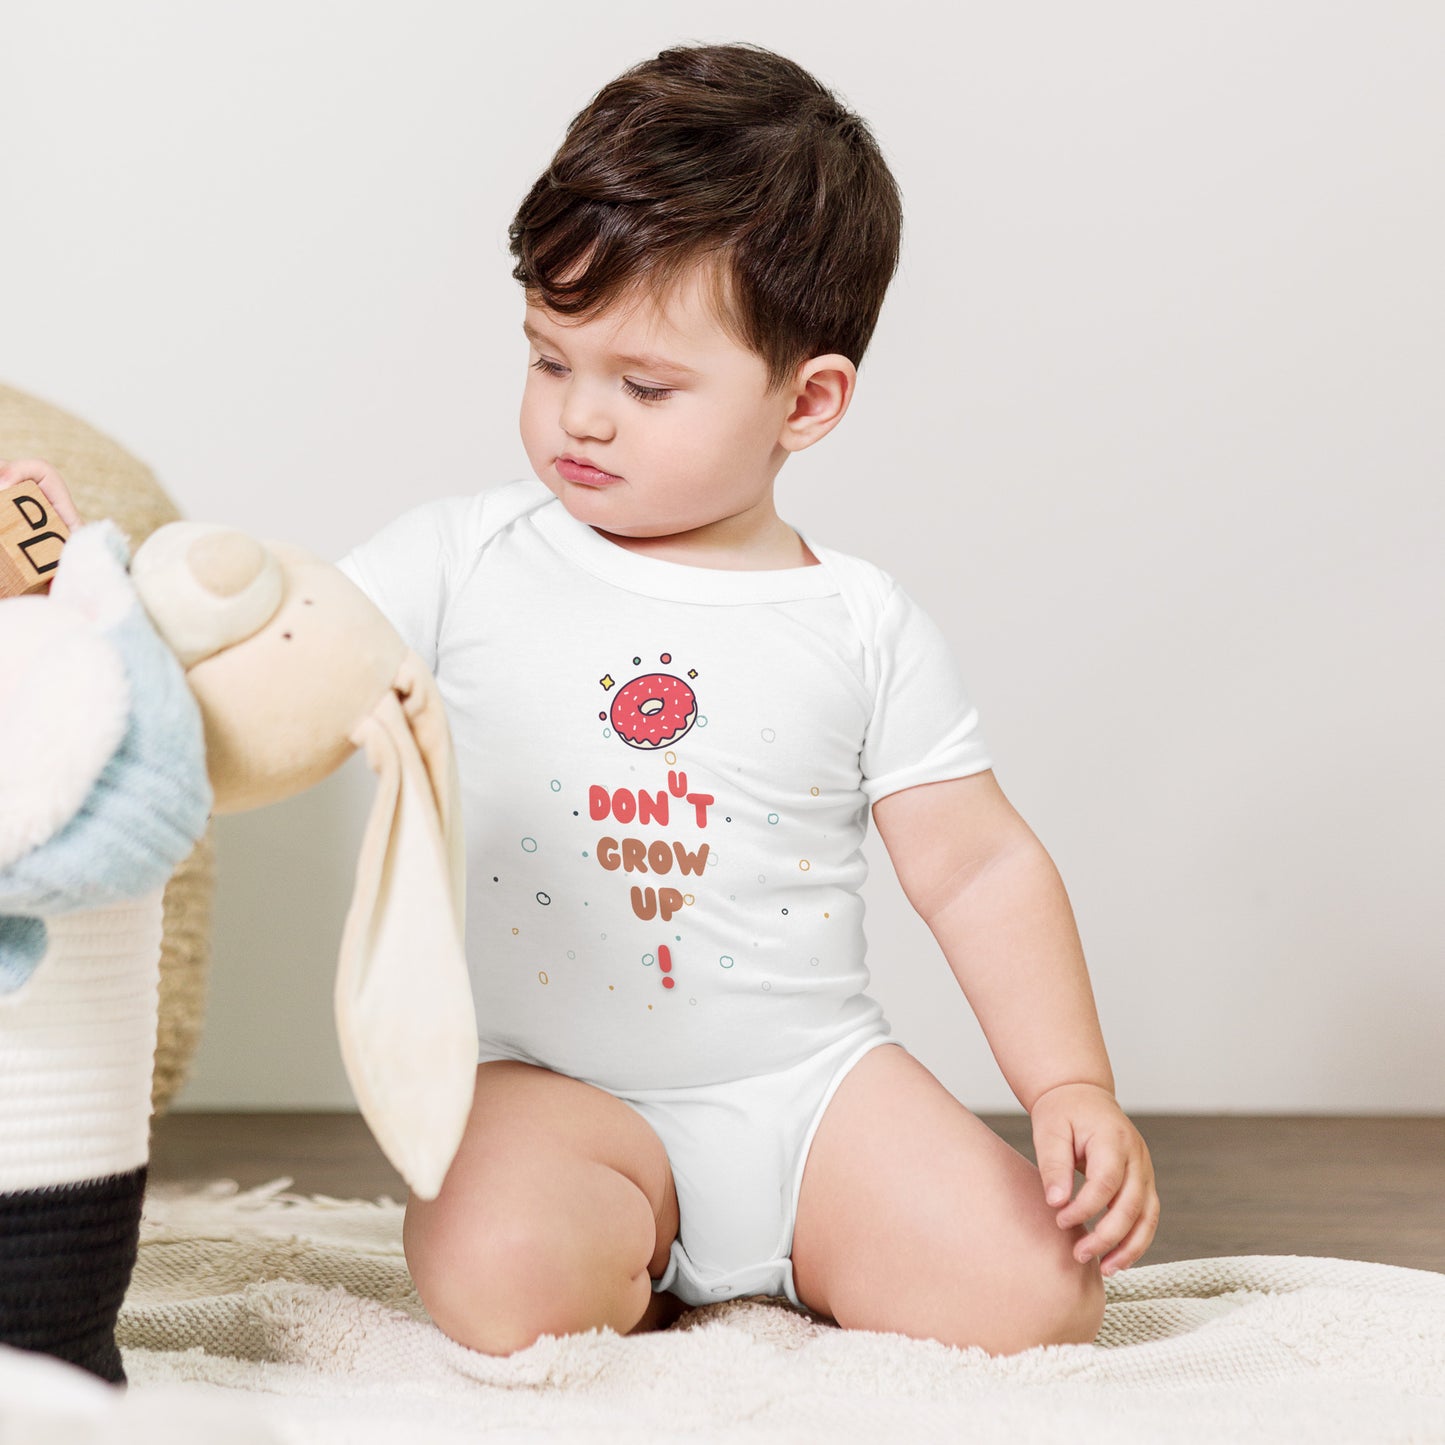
x: 426, y: 717
x: 404, y: 1013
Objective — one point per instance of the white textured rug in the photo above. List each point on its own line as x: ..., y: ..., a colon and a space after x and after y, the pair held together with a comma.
x: 264, y: 1316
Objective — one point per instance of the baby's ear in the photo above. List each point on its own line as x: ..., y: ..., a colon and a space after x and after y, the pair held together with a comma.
x: 822, y: 392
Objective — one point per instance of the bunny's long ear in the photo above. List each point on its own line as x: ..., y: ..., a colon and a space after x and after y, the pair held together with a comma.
x: 404, y: 1012
x: 426, y: 716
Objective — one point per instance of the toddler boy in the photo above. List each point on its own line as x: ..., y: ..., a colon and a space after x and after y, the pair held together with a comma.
x: 672, y: 712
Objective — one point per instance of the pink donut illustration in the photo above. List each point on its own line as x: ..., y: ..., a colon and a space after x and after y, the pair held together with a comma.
x: 654, y: 711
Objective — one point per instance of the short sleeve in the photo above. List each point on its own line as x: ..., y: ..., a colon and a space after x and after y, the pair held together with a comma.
x: 924, y: 727
x: 407, y: 568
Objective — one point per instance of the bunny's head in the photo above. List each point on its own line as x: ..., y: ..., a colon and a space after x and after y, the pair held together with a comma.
x: 294, y: 668
x: 285, y: 655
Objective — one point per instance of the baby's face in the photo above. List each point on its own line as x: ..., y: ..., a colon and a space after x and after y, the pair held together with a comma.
x: 651, y: 421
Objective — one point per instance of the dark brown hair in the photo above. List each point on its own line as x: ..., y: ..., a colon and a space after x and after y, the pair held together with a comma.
x: 728, y: 155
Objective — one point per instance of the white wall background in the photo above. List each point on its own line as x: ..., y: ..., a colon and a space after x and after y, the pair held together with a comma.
x: 1152, y: 424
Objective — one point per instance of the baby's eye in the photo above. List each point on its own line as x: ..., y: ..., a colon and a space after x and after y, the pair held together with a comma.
x: 646, y: 393
x: 548, y: 368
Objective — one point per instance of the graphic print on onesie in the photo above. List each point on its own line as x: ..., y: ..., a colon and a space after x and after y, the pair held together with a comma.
x: 654, y: 711
x: 689, y: 939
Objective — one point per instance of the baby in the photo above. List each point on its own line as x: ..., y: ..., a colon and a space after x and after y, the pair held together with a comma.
x: 672, y: 713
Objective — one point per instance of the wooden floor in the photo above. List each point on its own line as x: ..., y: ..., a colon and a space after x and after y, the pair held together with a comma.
x: 1368, y: 1188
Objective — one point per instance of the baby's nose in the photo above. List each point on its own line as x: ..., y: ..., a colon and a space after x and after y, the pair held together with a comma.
x: 586, y: 413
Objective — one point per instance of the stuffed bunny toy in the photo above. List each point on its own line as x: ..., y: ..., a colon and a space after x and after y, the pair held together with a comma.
x: 103, y: 793
x: 217, y: 674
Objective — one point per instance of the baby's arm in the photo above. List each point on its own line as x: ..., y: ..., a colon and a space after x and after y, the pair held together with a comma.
x: 993, y: 899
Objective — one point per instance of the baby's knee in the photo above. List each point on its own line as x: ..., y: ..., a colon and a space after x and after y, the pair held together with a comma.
x: 1048, y: 1302
x: 1075, y: 1305
x: 1046, y: 1298
x: 498, y: 1285
x: 1060, y: 1301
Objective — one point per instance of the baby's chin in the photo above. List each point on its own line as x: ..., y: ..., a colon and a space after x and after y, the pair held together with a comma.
x: 615, y: 510
x: 602, y: 509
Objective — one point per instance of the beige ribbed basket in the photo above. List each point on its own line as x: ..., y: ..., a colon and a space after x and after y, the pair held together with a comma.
x: 106, y: 481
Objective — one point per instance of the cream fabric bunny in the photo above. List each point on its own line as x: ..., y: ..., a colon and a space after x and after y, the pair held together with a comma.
x: 294, y: 669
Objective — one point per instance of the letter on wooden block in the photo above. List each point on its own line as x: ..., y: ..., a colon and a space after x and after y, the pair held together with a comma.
x: 31, y: 536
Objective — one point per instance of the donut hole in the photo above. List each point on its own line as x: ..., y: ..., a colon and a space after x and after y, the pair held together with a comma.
x: 651, y: 707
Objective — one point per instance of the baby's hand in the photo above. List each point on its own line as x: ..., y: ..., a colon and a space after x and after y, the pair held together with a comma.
x: 49, y: 482
x: 1083, y: 1125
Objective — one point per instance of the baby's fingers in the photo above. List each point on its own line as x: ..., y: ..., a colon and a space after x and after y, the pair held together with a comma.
x: 49, y: 481
x: 1054, y: 1150
x: 1112, y: 1228
x: 1133, y: 1244
x: 1100, y: 1186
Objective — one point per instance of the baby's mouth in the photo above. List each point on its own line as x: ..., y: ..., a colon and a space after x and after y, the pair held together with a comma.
x: 573, y: 469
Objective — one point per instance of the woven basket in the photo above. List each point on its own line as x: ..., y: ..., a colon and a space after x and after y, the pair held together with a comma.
x: 106, y: 481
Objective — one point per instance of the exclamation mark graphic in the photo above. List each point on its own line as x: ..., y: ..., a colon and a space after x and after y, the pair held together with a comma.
x: 664, y: 962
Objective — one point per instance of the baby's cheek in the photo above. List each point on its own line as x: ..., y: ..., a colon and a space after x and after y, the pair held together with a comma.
x: 535, y: 408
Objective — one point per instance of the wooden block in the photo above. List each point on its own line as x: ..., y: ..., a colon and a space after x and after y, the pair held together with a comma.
x: 31, y: 536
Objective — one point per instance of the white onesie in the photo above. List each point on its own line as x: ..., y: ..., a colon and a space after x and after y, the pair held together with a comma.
x: 666, y: 774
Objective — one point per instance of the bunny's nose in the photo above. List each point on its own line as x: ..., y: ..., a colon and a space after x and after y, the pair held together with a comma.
x: 206, y: 588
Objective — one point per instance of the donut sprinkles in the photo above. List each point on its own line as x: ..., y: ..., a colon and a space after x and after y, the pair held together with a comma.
x: 654, y: 710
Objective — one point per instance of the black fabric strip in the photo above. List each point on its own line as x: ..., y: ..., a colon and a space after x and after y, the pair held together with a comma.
x: 66, y: 1256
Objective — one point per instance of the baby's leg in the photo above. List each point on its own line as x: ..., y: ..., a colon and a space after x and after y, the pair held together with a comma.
x: 556, y: 1215
x: 914, y: 1217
